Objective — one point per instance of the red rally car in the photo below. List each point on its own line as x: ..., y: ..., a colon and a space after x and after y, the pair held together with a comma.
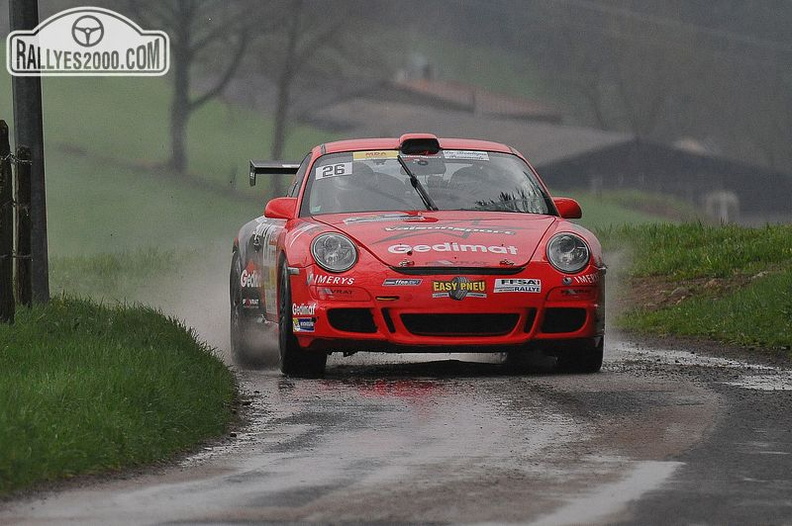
x: 416, y: 244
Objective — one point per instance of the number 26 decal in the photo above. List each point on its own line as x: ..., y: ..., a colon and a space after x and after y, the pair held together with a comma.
x: 333, y: 170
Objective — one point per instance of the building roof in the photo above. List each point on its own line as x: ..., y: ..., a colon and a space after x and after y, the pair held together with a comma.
x: 540, y: 142
x: 476, y: 100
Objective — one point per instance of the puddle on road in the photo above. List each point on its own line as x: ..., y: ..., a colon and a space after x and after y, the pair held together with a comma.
x: 442, y: 441
x: 751, y: 376
x: 610, y: 498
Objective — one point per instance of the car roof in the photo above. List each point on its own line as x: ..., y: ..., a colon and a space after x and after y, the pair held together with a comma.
x: 392, y: 143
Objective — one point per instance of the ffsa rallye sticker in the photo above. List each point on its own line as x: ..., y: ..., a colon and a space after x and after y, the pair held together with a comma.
x: 533, y: 286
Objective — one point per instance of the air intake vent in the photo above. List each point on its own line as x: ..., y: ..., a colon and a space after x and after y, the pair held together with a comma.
x: 352, y: 320
x: 563, y: 320
x: 460, y: 324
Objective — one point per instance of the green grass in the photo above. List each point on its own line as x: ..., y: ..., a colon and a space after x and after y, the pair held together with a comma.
x: 86, y: 388
x: 738, y: 281
x: 616, y: 208
x: 695, y: 250
x: 117, y: 276
x: 106, y: 143
x: 126, y: 120
x: 94, y: 209
x: 759, y: 314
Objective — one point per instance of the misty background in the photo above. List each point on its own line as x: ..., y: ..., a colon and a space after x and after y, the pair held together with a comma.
x: 714, y: 72
x: 644, y: 110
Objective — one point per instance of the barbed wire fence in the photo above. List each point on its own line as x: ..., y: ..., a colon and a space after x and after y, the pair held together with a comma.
x: 15, y: 227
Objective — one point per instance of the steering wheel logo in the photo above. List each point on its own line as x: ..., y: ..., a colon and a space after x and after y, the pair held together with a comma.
x: 87, y: 31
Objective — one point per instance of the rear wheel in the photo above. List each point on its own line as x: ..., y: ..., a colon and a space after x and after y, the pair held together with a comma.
x: 294, y: 360
x: 585, y: 359
x: 243, y: 327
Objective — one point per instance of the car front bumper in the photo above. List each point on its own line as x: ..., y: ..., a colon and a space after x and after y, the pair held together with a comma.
x: 393, y: 312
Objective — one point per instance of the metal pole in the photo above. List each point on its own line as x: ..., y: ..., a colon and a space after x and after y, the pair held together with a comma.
x: 29, y: 131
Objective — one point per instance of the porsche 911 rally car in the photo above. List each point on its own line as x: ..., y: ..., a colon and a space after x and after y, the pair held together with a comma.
x: 416, y: 244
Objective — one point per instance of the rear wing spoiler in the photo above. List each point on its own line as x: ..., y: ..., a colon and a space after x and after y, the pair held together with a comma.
x: 271, y: 168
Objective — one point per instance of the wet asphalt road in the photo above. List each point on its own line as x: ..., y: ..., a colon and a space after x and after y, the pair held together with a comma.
x: 660, y: 436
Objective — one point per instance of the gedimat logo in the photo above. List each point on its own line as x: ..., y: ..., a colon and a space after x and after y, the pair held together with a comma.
x: 87, y: 41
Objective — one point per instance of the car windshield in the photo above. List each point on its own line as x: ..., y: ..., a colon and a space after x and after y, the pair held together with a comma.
x: 370, y: 181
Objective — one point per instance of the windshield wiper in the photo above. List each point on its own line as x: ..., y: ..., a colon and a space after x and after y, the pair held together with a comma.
x: 427, y: 200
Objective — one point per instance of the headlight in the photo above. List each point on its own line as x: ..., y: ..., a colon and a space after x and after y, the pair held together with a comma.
x: 568, y: 253
x: 334, y: 252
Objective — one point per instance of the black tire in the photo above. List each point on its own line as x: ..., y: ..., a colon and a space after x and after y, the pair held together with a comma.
x: 587, y: 359
x: 523, y: 361
x: 294, y: 360
x: 244, y: 333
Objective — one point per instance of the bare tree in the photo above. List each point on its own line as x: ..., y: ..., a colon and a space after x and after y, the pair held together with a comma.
x: 651, y: 67
x: 197, y: 29
x: 581, y: 57
x: 308, y: 29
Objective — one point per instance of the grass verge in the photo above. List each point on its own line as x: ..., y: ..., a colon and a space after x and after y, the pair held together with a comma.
x: 727, y: 283
x: 115, y: 276
x: 629, y: 207
x: 88, y: 388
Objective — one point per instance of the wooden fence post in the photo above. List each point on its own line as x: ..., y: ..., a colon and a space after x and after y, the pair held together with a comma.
x: 24, y: 275
x: 7, y: 306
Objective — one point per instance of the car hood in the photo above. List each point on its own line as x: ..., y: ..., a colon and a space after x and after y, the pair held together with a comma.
x: 436, y: 239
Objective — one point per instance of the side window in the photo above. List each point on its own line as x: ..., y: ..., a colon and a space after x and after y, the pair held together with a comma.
x: 298, y: 178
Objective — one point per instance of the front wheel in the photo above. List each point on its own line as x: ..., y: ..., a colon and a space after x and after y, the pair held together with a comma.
x: 294, y: 360
x: 586, y: 359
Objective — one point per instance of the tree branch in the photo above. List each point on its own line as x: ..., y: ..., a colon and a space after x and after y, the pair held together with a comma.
x: 314, y: 44
x: 227, y: 75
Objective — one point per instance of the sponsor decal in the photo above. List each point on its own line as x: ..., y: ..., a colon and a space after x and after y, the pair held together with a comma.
x: 578, y: 293
x: 304, y: 229
x: 250, y: 303
x: 588, y: 279
x: 303, y: 324
x: 375, y: 154
x: 533, y: 286
x: 455, y: 229
x: 459, y: 288
x: 303, y: 309
x: 336, y: 292
x: 87, y: 41
x: 264, y: 229
x: 400, y: 282
x: 384, y: 218
x: 340, y: 294
x: 452, y: 247
x: 466, y: 155
x: 324, y: 279
x: 333, y: 170
x: 250, y: 277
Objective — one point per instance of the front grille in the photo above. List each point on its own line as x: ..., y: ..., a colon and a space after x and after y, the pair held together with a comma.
x: 563, y: 320
x: 352, y: 320
x: 460, y: 324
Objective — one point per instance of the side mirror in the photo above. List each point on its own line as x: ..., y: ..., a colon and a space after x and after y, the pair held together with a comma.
x: 281, y: 208
x: 568, y: 208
